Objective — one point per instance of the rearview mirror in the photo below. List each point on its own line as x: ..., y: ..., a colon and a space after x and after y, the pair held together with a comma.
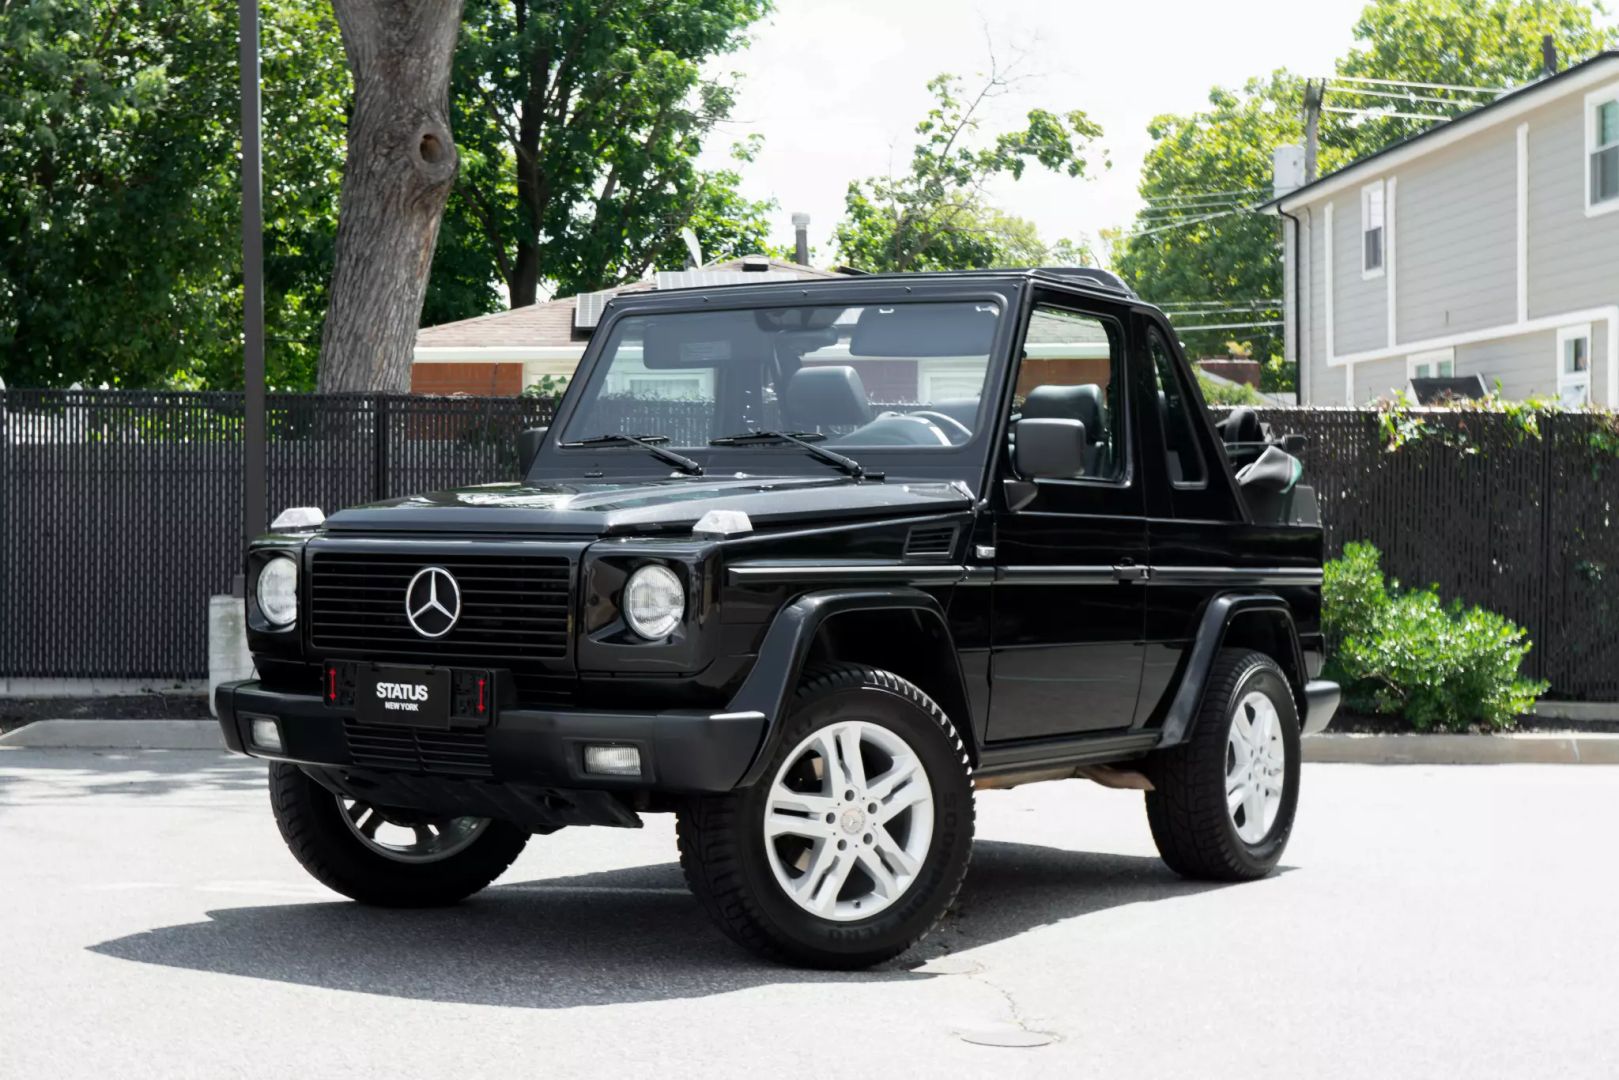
x: 528, y: 448
x: 1050, y: 448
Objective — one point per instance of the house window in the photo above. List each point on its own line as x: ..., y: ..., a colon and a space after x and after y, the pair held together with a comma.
x: 949, y: 380
x: 1437, y: 364
x: 1371, y: 230
x: 1602, y: 151
x: 1574, y: 365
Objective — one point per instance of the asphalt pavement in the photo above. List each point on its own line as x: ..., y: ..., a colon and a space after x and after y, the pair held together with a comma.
x: 1428, y: 922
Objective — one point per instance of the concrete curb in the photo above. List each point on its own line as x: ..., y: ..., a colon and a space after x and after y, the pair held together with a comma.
x: 1532, y: 748
x: 98, y: 688
x: 117, y: 735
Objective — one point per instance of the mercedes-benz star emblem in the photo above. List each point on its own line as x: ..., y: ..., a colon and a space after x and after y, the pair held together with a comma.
x: 432, y: 601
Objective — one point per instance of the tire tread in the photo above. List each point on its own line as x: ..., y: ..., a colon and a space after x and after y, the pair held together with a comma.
x: 1187, y: 814
x: 709, y: 835
x: 337, y: 860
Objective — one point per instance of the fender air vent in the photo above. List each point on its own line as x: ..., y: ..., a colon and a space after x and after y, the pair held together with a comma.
x: 930, y: 542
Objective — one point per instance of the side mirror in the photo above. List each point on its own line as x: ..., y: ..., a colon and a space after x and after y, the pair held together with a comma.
x: 528, y: 448
x: 1050, y: 448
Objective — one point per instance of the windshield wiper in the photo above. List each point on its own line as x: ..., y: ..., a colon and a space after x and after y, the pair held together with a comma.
x: 802, y: 438
x: 649, y: 443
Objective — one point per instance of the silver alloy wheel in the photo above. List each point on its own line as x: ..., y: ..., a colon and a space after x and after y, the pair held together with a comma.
x: 409, y: 841
x: 1256, y: 767
x: 843, y: 846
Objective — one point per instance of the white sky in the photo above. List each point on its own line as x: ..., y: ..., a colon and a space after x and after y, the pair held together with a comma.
x: 836, y: 87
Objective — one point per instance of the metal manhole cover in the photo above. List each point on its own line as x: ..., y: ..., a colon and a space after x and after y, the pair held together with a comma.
x: 1006, y: 1035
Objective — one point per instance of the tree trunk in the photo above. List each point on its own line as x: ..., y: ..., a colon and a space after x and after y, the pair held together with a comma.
x: 524, y: 285
x: 401, y: 164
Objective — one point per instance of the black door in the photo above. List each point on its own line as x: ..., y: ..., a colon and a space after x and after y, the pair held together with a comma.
x: 1069, y: 608
x: 1203, y: 541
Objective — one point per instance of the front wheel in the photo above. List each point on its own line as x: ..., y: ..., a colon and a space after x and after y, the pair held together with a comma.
x: 855, y: 841
x: 1222, y: 803
x: 388, y: 857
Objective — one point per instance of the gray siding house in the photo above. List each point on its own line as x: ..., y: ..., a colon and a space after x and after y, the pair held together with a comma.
x: 1488, y: 245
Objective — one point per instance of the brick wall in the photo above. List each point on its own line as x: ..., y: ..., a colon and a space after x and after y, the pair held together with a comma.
x: 479, y: 380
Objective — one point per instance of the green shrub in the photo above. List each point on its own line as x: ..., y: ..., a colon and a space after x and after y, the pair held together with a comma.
x: 1353, y: 595
x: 1407, y: 653
x: 1217, y: 393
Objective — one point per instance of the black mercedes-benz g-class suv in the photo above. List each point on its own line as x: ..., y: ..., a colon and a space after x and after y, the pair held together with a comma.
x: 806, y: 564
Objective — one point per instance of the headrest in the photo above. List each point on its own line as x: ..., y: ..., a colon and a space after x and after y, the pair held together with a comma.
x: 827, y: 396
x: 1055, y: 402
x: 1242, y: 425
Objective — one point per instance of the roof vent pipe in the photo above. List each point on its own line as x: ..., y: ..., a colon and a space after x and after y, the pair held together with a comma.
x: 801, y: 239
x: 1548, y: 55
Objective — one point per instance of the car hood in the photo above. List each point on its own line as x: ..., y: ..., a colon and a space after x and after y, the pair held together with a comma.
x: 604, y: 507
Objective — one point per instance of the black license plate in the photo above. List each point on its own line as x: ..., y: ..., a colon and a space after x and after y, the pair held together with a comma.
x: 414, y: 696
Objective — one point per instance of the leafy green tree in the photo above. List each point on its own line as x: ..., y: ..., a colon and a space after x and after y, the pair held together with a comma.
x: 1475, y: 43
x: 935, y: 215
x: 1194, y: 244
x: 120, y: 205
x: 579, y: 124
x: 728, y: 224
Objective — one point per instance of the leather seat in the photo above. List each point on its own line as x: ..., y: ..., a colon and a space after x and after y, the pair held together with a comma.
x: 1085, y: 403
x: 826, y: 396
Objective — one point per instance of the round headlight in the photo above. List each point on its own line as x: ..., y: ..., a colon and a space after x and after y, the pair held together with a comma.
x: 278, y: 591
x: 654, y: 602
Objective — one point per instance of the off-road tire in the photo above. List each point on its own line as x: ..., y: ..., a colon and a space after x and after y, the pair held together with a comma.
x: 1187, y: 806
x: 722, y: 850
x: 311, y: 823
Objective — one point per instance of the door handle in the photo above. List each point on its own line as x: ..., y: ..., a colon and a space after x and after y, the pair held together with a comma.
x: 1129, y: 571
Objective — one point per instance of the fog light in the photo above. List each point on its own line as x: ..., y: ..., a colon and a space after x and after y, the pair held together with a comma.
x: 266, y: 734
x: 613, y: 760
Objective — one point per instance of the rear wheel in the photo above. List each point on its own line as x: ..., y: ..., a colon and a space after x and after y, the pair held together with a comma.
x: 383, y: 856
x: 856, y: 839
x: 1222, y: 803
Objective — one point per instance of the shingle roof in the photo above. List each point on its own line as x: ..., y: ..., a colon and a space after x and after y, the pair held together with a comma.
x: 1066, y: 331
x: 551, y: 323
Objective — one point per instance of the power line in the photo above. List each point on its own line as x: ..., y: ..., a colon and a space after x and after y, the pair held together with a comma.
x: 1375, y: 113
x: 1182, y: 224
x: 1205, y: 312
x: 1422, y: 85
x: 1402, y: 97
x: 1200, y: 196
x: 1246, y: 313
x: 1225, y: 326
x: 1218, y: 303
x: 1211, y: 204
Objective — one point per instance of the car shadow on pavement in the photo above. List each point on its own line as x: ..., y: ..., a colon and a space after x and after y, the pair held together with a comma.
x: 619, y: 936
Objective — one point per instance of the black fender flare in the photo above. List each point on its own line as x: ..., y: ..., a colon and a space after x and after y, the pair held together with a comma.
x: 1214, y: 628
x: 779, y: 664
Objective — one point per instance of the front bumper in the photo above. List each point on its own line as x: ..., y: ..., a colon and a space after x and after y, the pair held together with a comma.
x: 1321, y: 699
x: 682, y: 751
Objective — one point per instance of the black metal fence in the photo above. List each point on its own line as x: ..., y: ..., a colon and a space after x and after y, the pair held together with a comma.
x: 120, y: 512
x: 1494, y: 515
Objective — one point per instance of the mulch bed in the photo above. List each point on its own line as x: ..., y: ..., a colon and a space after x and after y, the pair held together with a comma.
x: 1357, y: 724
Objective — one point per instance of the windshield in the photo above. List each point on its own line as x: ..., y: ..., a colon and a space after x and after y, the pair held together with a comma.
x: 892, y: 375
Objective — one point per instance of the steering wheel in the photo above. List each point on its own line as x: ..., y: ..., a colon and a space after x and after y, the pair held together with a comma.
x: 949, y: 424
